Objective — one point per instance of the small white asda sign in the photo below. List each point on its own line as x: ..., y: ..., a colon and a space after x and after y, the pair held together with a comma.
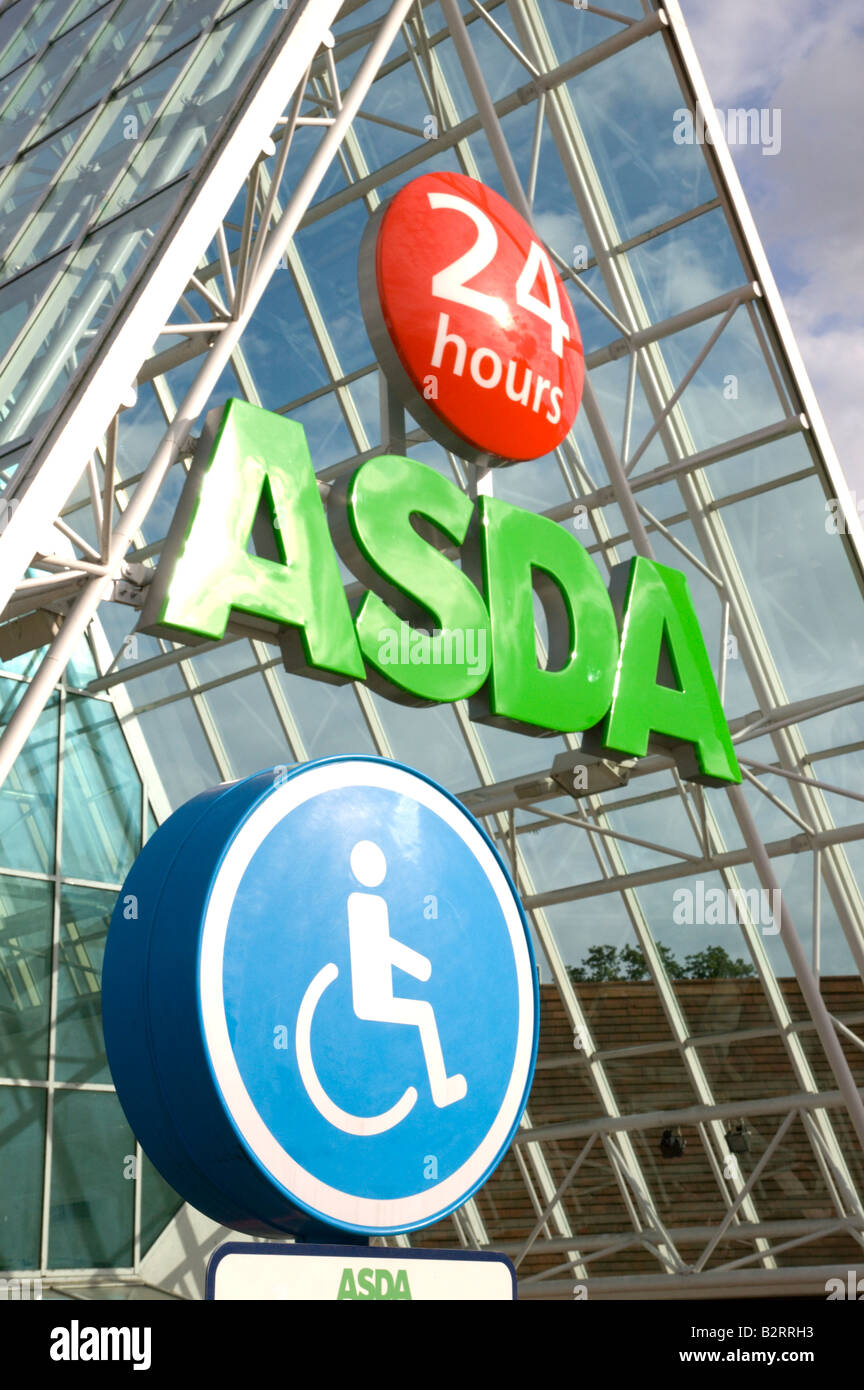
x: 337, y: 1273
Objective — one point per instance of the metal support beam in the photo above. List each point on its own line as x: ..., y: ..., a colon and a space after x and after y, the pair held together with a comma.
x: 15, y: 558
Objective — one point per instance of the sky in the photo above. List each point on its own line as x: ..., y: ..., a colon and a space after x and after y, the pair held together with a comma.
x: 808, y: 199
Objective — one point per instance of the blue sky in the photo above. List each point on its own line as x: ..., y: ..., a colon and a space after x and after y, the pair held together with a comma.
x: 808, y: 200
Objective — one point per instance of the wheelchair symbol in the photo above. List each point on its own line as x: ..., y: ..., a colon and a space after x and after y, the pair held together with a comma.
x: 373, y: 954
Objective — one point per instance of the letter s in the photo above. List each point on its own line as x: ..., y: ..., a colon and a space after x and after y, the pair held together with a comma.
x: 557, y: 391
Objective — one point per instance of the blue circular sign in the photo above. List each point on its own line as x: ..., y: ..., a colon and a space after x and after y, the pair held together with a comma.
x: 320, y: 1000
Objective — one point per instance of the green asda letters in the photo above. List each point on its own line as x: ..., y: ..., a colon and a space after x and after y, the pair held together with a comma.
x: 250, y: 544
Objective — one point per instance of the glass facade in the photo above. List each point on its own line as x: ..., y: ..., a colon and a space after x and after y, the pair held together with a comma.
x: 697, y: 423
x: 77, y: 1192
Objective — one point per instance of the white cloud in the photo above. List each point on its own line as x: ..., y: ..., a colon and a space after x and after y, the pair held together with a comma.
x: 808, y: 201
x: 745, y: 48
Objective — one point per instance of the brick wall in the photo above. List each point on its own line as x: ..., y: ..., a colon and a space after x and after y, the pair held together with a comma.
x: 628, y: 1014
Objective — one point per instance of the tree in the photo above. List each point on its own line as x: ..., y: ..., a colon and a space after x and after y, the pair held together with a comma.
x: 609, y: 963
x: 714, y: 963
x: 635, y: 967
x: 601, y: 963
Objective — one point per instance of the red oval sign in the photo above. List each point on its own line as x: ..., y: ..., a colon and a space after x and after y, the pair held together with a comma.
x: 469, y: 320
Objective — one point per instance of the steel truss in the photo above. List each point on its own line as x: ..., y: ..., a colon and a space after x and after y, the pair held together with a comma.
x: 200, y: 286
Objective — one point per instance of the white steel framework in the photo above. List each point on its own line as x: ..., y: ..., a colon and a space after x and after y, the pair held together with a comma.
x: 642, y: 476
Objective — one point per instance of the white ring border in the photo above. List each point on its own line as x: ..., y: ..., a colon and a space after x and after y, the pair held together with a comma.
x: 391, y: 1214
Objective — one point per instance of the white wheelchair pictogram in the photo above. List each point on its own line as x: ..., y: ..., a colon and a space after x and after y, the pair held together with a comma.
x: 374, y: 953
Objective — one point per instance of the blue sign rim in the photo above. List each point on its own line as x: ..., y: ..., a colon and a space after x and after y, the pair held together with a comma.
x: 177, y: 1105
x: 323, y: 1217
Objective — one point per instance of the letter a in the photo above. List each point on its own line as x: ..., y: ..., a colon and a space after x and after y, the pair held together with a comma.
x: 665, y: 693
x: 292, y: 579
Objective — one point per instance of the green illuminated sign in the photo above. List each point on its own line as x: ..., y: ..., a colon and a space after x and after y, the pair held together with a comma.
x: 251, y: 536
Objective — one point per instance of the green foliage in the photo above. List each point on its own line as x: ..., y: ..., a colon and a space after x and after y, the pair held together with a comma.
x: 601, y: 963
x: 628, y: 963
x: 715, y: 964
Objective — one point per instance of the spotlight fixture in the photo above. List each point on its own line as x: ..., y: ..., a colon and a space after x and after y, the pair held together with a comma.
x: 738, y: 1140
x: 672, y: 1143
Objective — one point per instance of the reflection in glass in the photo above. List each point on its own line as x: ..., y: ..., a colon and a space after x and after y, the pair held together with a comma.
x: 22, y: 1143
x: 92, y: 1182
x: 25, y: 969
x: 80, y: 1050
x: 101, y: 794
x: 28, y: 797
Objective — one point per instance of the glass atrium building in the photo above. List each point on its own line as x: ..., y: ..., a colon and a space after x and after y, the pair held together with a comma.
x: 183, y: 192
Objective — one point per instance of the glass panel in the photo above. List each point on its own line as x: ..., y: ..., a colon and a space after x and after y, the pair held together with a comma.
x: 673, y: 830
x: 556, y: 856
x: 139, y: 130
x: 28, y: 797
x: 761, y: 465
x: 298, y: 366
x: 573, y: 30
x: 159, y: 1203
x: 816, y: 640
x: 365, y: 396
x: 328, y: 716
x: 684, y: 1188
x: 687, y: 265
x: 24, y: 184
x: 793, y: 1179
x: 85, y: 292
x: 143, y: 428
x: 626, y: 107
x: 746, y: 1068
x: 511, y: 754
x: 101, y: 794
x: 116, y: 168
x: 248, y: 725
x: 180, y: 751
x: 535, y: 485
x: 10, y: 460
x: 326, y: 432
x: 222, y: 661
x: 185, y: 24
x: 197, y: 103
x: 104, y: 62
x: 12, y: 21
x: 25, y: 973
x: 33, y: 95
x: 39, y: 23
x: 22, y: 1145
x: 430, y: 740
x: 135, y: 648
x: 84, y: 917
x: 578, y: 929
x: 82, y: 667
x: 395, y: 96
x: 331, y: 264
x: 732, y: 392
x: 92, y: 1182
x: 696, y: 926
